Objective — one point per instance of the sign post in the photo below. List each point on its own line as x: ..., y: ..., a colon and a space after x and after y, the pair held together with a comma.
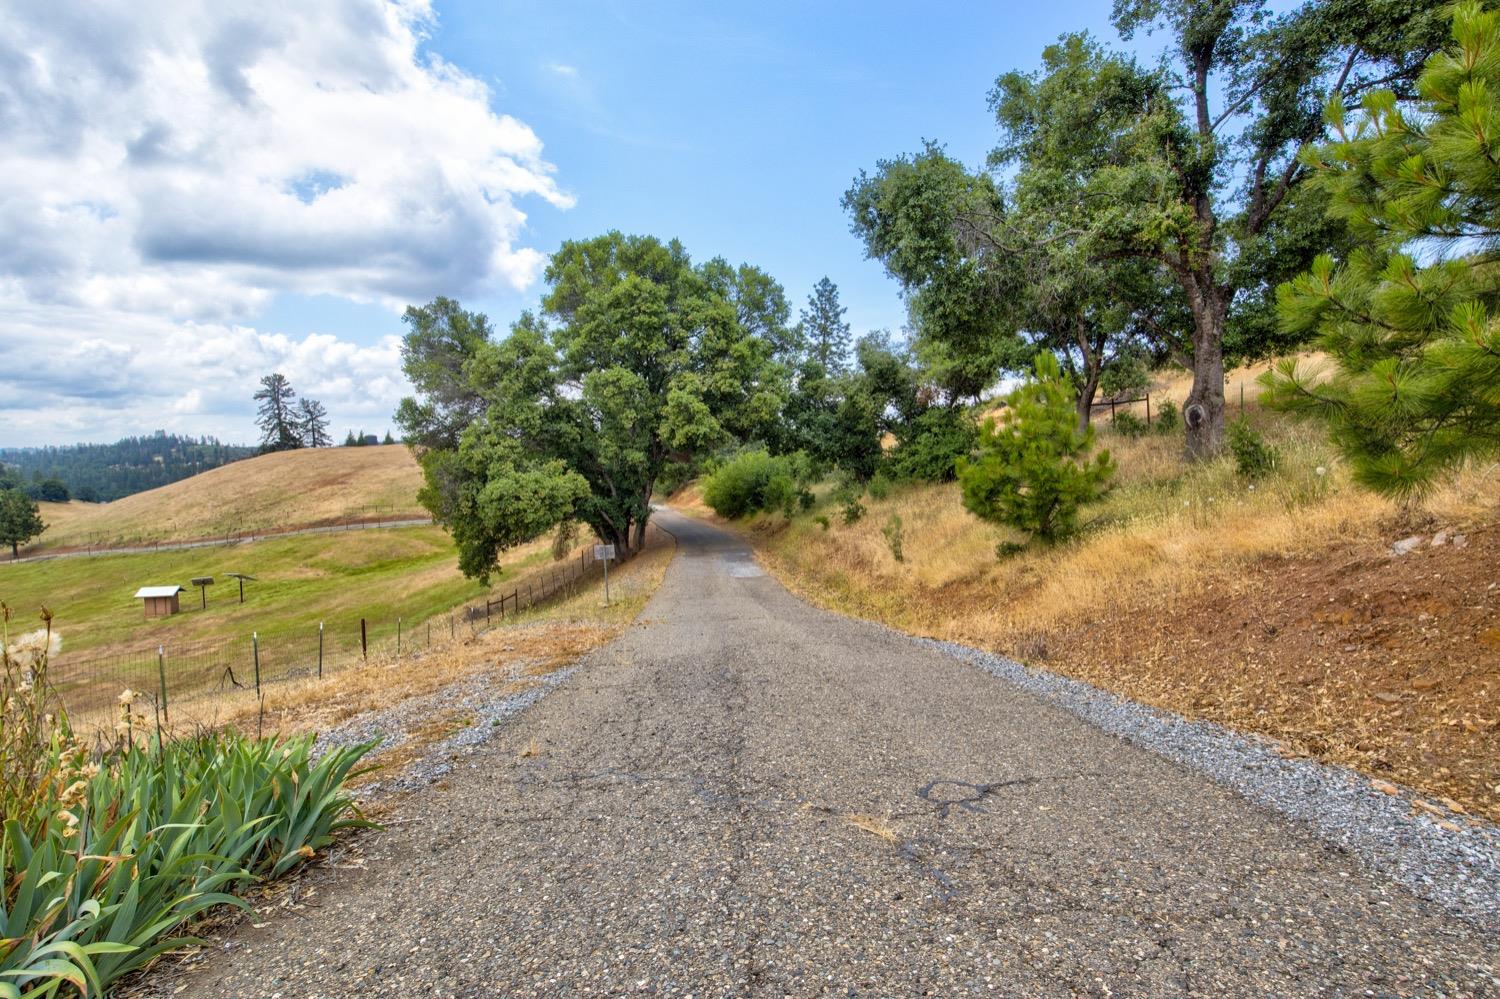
x: 603, y: 553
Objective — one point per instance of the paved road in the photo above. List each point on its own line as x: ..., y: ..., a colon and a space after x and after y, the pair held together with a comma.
x: 683, y: 831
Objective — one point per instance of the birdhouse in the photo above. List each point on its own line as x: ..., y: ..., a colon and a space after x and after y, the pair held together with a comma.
x: 161, y: 601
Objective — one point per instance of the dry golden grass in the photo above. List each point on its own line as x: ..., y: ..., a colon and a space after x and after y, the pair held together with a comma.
x: 271, y: 492
x: 1167, y: 528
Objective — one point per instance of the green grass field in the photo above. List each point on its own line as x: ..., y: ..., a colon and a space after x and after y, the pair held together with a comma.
x: 300, y: 581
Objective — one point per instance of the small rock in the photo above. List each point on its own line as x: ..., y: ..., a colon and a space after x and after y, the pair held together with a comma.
x: 1425, y: 683
x: 1385, y: 787
x: 1386, y: 697
x: 1460, y: 541
x: 1440, y: 538
x: 1406, y: 545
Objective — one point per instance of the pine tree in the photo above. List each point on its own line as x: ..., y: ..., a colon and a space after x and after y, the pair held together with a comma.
x: 312, y: 423
x: 824, y: 329
x: 1032, y: 471
x: 20, y: 520
x: 276, y: 415
x: 1409, y: 319
x: 349, y: 440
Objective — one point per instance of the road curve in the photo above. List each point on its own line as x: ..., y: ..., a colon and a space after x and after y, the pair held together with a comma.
x: 685, y: 830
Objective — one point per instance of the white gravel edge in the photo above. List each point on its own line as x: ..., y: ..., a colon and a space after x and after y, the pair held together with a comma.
x: 1458, y: 870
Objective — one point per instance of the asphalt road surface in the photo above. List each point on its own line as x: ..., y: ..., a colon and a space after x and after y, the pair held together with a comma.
x: 688, y: 828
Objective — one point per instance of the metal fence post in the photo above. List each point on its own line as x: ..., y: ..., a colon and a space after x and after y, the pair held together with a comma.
x: 255, y: 646
x: 320, y: 650
x: 398, y: 636
x: 1148, y: 409
x: 161, y: 676
x: 364, y: 645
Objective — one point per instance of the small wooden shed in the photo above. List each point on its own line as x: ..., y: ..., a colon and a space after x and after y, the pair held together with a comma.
x: 161, y: 601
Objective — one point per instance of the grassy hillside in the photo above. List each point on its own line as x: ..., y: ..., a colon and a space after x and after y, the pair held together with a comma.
x: 300, y: 580
x: 1273, y: 606
x: 278, y: 491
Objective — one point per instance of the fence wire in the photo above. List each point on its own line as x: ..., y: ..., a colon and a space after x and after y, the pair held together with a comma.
x: 215, y: 681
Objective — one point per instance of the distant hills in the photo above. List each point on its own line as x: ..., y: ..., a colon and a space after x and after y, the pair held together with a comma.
x: 104, y: 472
x: 284, y: 490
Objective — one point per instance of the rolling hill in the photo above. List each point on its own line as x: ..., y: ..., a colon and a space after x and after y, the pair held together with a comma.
x: 273, y: 492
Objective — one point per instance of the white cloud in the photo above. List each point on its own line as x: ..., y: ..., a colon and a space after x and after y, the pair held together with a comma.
x: 172, y: 166
x: 91, y: 374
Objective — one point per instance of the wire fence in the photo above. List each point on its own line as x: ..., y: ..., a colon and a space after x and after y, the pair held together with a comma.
x: 223, y: 681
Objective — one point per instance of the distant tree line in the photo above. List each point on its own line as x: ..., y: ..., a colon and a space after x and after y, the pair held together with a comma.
x: 104, y: 472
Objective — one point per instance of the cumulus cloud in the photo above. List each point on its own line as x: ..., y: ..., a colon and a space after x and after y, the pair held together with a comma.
x: 171, y: 167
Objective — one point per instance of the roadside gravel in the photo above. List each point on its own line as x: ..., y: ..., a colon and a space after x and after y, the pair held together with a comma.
x: 746, y: 796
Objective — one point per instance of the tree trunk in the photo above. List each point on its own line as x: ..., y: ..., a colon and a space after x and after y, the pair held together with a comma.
x: 1204, y: 410
x: 640, y: 534
x: 1086, y: 393
x: 15, y: 550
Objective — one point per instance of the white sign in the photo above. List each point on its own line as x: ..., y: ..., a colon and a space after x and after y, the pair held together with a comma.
x: 603, y: 553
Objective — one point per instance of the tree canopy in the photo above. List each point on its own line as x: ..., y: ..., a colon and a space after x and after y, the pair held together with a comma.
x: 20, y: 519
x: 1408, y: 318
x: 637, y: 355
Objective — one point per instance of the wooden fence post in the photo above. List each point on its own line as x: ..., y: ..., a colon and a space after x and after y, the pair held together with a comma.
x: 320, y: 650
x: 364, y: 644
x: 255, y: 649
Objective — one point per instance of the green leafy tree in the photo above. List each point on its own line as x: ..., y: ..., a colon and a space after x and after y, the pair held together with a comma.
x: 824, y: 329
x: 1208, y: 186
x: 277, y: 414
x: 994, y: 273
x: 20, y: 520
x: 1409, y: 318
x: 1032, y: 470
x: 637, y: 357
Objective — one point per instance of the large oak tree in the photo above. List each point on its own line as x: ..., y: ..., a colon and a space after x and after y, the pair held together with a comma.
x: 637, y: 355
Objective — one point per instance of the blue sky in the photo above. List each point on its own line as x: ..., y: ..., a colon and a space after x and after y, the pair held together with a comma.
x: 215, y: 189
x: 735, y: 128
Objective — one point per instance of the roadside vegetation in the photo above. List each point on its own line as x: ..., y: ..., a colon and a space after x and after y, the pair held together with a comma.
x: 107, y: 852
x: 1264, y: 597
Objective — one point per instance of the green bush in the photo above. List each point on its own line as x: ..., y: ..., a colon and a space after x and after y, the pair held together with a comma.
x: 879, y: 486
x: 753, y: 481
x: 1130, y: 425
x: 1032, y: 471
x: 930, y: 445
x: 894, y: 535
x: 822, y: 521
x: 851, y: 510
x: 1253, y: 457
x: 1168, y: 419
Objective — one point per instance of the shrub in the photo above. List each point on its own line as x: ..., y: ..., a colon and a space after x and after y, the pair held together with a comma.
x: 851, y: 510
x: 879, y: 486
x: 931, y: 444
x: 1031, y: 471
x: 755, y: 480
x: 1130, y: 425
x: 894, y: 536
x: 1168, y: 419
x: 822, y: 521
x: 1253, y: 457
